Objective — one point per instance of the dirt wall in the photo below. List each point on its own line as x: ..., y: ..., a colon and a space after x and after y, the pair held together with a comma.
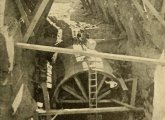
x: 16, y: 68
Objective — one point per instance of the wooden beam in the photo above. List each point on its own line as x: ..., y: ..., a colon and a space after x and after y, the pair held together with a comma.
x: 44, y: 15
x: 80, y: 101
x: 23, y: 13
x: 46, y: 98
x: 2, y: 12
x: 72, y: 92
x: 82, y: 89
x: 35, y: 20
x: 93, y: 54
x: 89, y: 111
x: 154, y: 12
x: 163, y: 9
x: 133, y: 97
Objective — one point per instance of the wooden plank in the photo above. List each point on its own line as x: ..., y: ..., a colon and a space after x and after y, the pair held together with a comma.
x: 82, y: 89
x: 89, y: 111
x: 23, y: 13
x: 154, y: 12
x: 123, y: 85
x: 80, y: 101
x: 133, y: 97
x: 2, y: 12
x: 35, y: 20
x: 46, y: 98
x: 72, y: 92
x: 89, y: 53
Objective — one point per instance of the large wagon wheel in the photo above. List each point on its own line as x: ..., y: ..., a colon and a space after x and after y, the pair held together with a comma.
x: 75, y: 89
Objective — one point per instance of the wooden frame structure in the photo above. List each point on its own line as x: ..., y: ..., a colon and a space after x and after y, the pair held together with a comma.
x: 44, y: 8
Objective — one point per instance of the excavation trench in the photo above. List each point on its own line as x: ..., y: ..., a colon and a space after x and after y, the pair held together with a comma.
x: 64, y: 75
x: 68, y: 73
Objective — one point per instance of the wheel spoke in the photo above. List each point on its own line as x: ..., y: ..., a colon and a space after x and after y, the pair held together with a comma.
x: 82, y: 89
x: 101, y: 83
x: 104, y: 94
x: 72, y: 91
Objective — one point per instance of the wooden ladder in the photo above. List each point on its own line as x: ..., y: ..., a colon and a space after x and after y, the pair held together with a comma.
x: 92, y: 77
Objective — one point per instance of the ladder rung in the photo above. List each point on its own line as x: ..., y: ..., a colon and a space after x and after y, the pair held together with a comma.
x: 93, y: 79
x: 93, y: 105
x: 94, y: 72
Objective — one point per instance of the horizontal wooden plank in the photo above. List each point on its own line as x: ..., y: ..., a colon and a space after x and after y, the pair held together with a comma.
x: 91, y: 53
x: 89, y: 111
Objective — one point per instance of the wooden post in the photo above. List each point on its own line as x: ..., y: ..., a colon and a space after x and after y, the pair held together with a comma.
x: 46, y: 98
x: 133, y: 97
x: 159, y: 92
x: 163, y: 9
x: 2, y: 11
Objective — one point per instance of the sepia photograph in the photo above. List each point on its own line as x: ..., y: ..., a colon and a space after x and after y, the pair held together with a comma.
x: 82, y: 60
